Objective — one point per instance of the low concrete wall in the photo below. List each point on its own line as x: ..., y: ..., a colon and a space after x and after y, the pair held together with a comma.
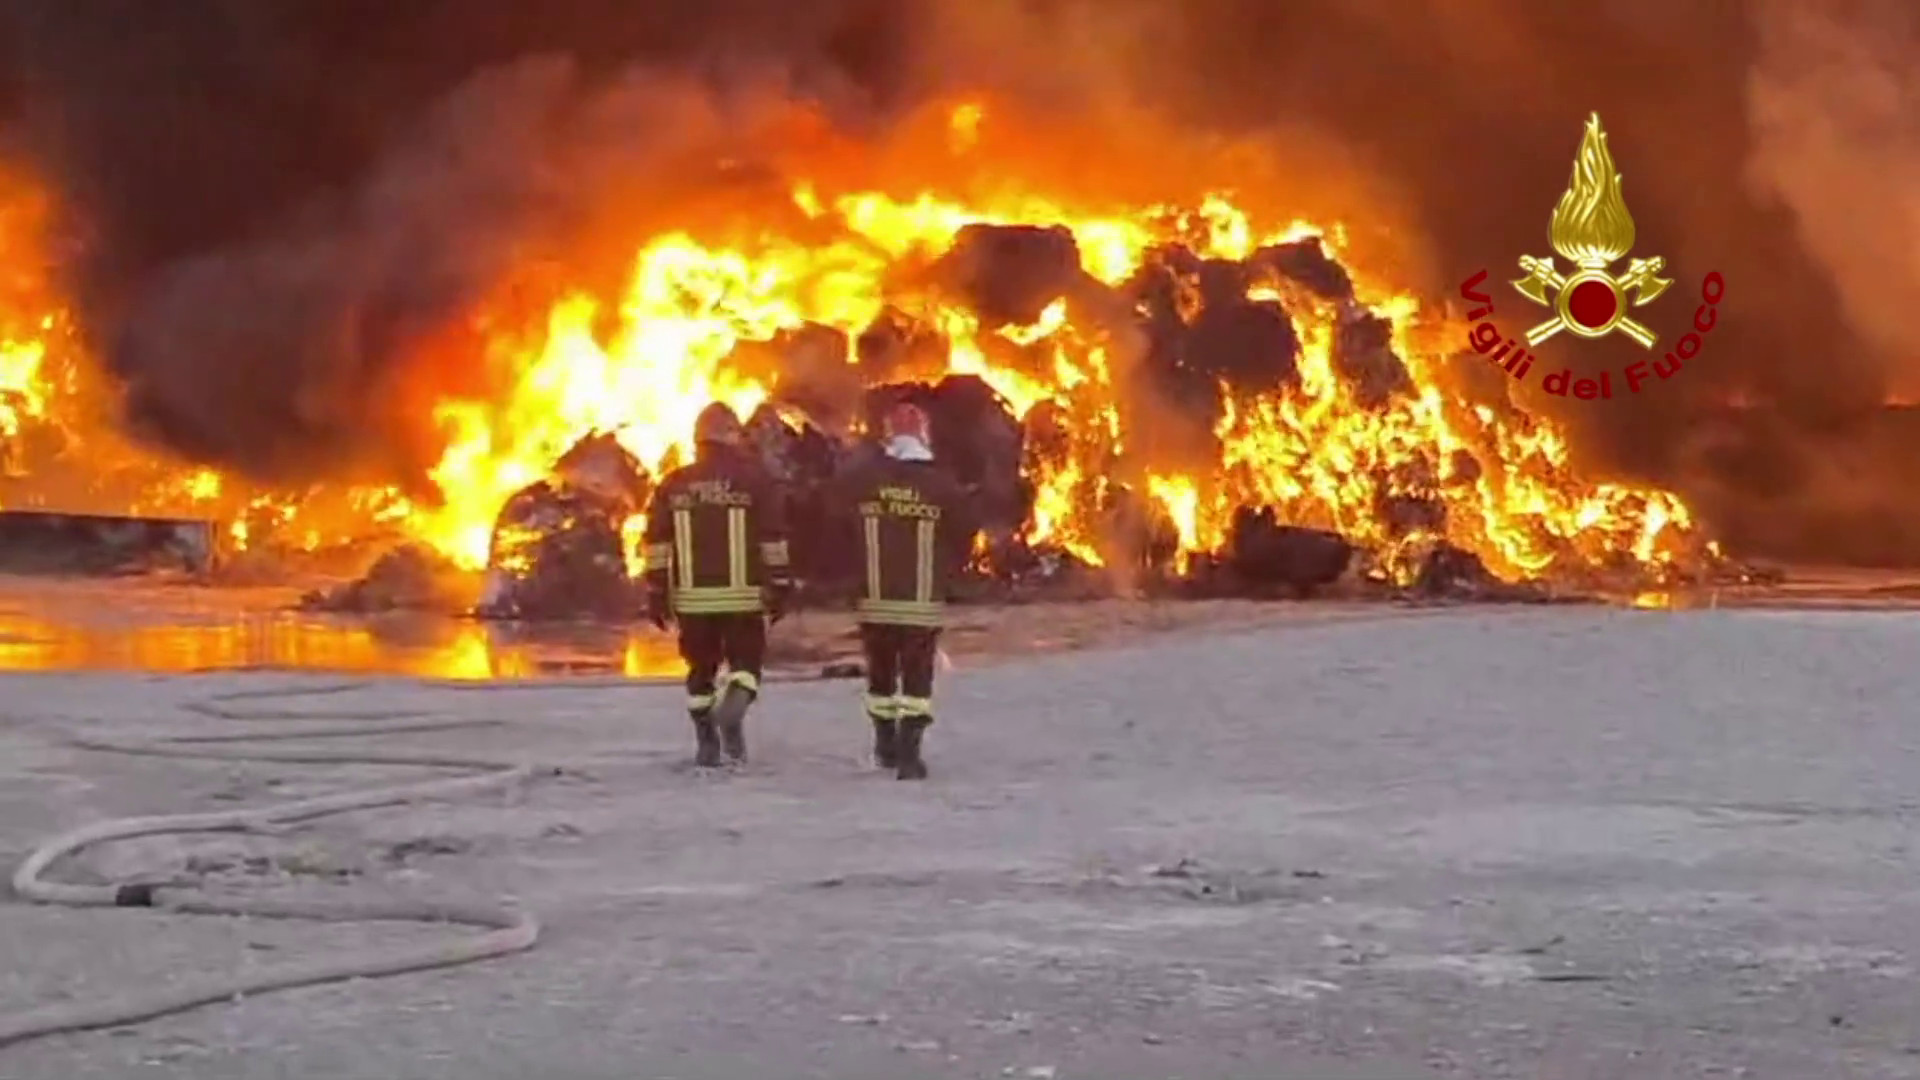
x: 99, y: 543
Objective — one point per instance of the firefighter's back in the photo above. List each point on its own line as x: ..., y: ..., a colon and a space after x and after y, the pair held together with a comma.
x: 714, y: 512
x: 915, y: 527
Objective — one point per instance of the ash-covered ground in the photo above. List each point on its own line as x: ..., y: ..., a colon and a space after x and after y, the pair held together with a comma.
x: 1543, y: 842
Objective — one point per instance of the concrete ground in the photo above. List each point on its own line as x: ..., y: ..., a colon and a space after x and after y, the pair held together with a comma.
x: 1564, y: 843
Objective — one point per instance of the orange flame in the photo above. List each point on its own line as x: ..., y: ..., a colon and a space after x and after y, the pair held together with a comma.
x: 1314, y: 452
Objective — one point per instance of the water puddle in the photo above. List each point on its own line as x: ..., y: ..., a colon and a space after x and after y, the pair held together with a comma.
x: 132, y: 626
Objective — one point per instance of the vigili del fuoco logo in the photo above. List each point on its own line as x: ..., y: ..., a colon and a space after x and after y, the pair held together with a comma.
x: 1591, y: 229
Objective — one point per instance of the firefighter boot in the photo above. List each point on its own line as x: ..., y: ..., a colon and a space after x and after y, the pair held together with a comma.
x: 707, y: 741
x: 885, y: 740
x: 729, y: 716
x: 908, y: 764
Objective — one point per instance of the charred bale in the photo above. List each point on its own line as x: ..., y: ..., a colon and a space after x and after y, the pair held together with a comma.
x: 776, y: 442
x: 601, y: 468
x: 1306, y: 262
x: 1221, y: 283
x: 557, y: 553
x: 1247, y: 345
x: 812, y: 349
x: 407, y: 578
x: 1178, y: 259
x: 1154, y: 290
x: 1407, y: 498
x: 1403, y: 514
x: 1364, y: 357
x: 974, y: 420
x: 975, y: 436
x: 1139, y: 535
x: 1047, y: 432
x: 1262, y: 552
x: 896, y: 345
x: 1463, y: 469
x: 1167, y: 377
x: 1009, y: 274
x: 802, y: 460
x: 1449, y: 571
x: 815, y: 377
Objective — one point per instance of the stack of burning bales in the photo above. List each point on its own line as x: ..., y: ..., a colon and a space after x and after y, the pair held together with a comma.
x: 1206, y: 331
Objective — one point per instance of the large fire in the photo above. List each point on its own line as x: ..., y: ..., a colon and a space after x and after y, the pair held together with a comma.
x: 643, y: 362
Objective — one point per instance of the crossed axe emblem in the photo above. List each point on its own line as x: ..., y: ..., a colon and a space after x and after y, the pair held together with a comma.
x: 1641, y: 279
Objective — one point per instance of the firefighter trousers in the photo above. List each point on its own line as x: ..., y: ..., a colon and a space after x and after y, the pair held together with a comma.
x: 738, y: 641
x: 900, y: 663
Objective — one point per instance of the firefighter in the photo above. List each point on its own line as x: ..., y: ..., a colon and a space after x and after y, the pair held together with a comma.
x: 716, y: 562
x: 915, y: 528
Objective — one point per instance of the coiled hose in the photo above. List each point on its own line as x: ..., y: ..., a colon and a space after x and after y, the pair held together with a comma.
x: 506, y: 931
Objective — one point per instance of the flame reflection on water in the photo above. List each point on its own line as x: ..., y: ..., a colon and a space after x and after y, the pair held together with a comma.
x: 423, y: 647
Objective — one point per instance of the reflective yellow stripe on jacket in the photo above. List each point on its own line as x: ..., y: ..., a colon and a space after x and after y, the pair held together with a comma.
x: 683, y: 549
x: 716, y: 600
x: 736, y: 546
x: 656, y: 557
x: 773, y: 555
x: 899, y: 612
x: 735, y: 597
x: 923, y: 609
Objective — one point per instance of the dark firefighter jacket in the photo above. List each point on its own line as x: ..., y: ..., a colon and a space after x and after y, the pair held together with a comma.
x: 912, y: 525
x: 716, y: 536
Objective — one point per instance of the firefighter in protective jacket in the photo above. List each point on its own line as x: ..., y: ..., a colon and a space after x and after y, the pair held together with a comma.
x: 716, y: 562
x: 915, y: 527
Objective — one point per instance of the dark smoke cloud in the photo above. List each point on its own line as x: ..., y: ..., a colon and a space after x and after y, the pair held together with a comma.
x: 283, y: 199
x: 1741, y: 130
x: 282, y: 196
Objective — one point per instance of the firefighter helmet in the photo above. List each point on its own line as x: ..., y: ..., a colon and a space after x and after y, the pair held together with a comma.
x: 909, y: 420
x: 718, y: 424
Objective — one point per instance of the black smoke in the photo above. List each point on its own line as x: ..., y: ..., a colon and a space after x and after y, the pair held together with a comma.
x: 284, y: 201
x: 282, y: 196
x: 1768, y: 140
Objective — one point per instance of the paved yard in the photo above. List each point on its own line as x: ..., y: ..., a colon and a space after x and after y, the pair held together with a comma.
x: 1555, y: 843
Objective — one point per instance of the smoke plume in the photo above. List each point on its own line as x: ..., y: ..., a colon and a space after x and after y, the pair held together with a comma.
x: 286, y: 205
x: 1833, y: 100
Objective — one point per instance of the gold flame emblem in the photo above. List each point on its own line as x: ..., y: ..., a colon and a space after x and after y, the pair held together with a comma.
x: 1592, y: 229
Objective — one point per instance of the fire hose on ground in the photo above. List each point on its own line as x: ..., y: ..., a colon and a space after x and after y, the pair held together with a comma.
x: 505, y: 930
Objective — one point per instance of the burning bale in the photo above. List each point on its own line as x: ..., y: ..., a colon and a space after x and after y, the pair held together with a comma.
x: 794, y: 454
x: 894, y: 343
x: 1010, y: 274
x: 1140, y: 539
x: 1363, y: 355
x: 1244, y: 346
x: 1452, y: 573
x: 1208, y: 334
x: 1215, y: 332
x: 1407, y: 500
x: 1141, y: 389
x: 408, y: 578
x: 975, y: 435
x: 1263, y: 554
x: 557, y: 550
x: 1307, y: 262
x: 811, y: 371
x: 1214, y: 335
x: 803, y: 460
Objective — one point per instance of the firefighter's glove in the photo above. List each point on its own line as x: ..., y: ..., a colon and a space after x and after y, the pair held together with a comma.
x: 659, y: 609
x: 779, y: 595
